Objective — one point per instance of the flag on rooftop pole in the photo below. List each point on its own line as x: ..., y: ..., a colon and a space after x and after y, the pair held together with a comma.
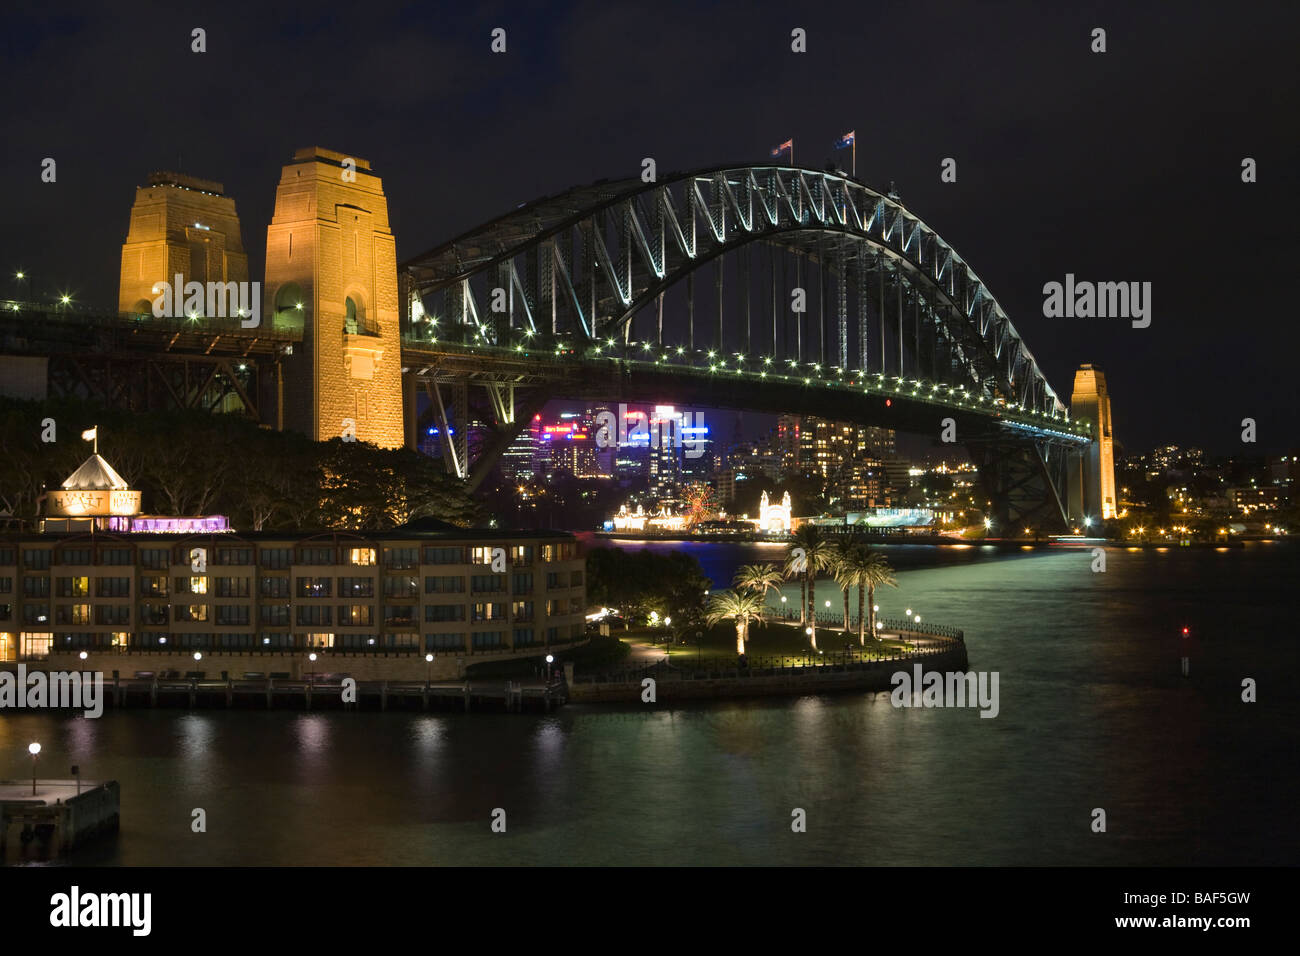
x: 850, y: 139
x: 92, y: 434
x: 788, y: 144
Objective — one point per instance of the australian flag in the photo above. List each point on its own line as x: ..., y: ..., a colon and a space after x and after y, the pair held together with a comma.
x: 847, y: 140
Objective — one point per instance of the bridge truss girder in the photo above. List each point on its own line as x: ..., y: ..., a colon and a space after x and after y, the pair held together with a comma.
x: 587, y: 261
x: 163, y: 381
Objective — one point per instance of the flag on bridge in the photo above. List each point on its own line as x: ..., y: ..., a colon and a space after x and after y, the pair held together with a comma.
x: 788, y: 144
x: 850, y: 141
x: 92, y: 434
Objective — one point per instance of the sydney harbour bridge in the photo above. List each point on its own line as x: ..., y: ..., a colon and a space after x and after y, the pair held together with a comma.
x: 767, y: 288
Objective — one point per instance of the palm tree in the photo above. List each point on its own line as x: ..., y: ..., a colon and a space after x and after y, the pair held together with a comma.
x: 809, y: 552
x: 845, y: 576
x: 758, y: 578
x: 876, y: 573
x: 741, y: 606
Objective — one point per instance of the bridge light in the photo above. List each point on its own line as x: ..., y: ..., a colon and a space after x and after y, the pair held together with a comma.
x: 65, y: 299
x: 711, y: 353
x: 611, y: 343
x: 14, y: 306
x: 680, y: 350
x: 888, y: 402
x: 19, y: 275
x: 767, y: 360
x: 646, y: 346
x: 298, y: 306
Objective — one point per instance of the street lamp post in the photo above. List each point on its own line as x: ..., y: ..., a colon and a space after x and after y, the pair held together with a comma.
x: 34, y: 749
x: 550, y: 659
x: 428, y: 670
x: 311, y: 671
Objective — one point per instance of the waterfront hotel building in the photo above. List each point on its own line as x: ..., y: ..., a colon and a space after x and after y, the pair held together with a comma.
x: 145, y: 594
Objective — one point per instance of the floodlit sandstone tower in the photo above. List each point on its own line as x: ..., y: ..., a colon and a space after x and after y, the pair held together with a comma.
x: 184, y: 226
x: 1092, y: 485
x: 331, y: 270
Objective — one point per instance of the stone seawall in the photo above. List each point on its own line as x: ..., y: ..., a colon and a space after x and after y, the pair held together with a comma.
x: 873, y: 676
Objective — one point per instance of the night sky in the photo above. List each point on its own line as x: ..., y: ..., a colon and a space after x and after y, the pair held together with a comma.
x: 1122, y: 166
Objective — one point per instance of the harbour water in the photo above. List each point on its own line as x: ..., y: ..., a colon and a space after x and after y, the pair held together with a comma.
x: 1094, y: 713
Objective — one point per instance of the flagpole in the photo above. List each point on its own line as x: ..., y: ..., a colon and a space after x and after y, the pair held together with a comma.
x: 855, y: 155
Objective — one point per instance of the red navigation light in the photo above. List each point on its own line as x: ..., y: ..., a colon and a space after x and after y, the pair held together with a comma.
x: 888, y: 402
x: 1184, y: 632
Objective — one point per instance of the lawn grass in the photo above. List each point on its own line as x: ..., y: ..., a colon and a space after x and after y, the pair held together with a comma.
x: 784, y: 645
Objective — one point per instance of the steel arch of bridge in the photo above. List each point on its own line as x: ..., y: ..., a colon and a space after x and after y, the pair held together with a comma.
x: 589, y: 259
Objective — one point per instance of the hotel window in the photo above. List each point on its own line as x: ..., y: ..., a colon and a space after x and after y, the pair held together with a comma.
x: 6, y: 614
x: 548, y: 552
x: 444, y: 642
x: 443, y: 556
x: 319, y: 640
x: 356, y: 614
x: 552, y: 635
x: 234, y: 556
x: 317, y: 614
x: 191, y: 612
x: 521, y: 554
x: 553, y: 580
x: 575, y: 605
x: 523, y: 636
x: 315, y: 587
x: 480, y: 555
x: 112, y: 614
x: 118, y: 556
x: 274, y: 587
x: 554, y: 606
x: 444, y: 585
x: 521, y: 583
x: 356, y: 587
x: 440, y: 613
x: 232, y: 587
x: 487, y: 583
x: 403, y: 639
x: 577, y: 579
x: 72, y: 587
x: 155, y: 559
x: 72, y: 614
x: 489, y: 639
x: 521, y: 610
x: 399, y: 614
x: 361, y: 556
x: 489, y: 612
x: 34, y: 645
x: 233, y: 614
x: 315, y: 555
x: 152, y: 615
x: 6, y: 585
x: 401, y: 586
x: 400, y: 558
x: 275, y: 638
x: 112, y: 587
x: 7, y: 555
x: 274, y: 614
x: 36, y: 613
x: 37, y: 559
x: 153, y: 585
x: 78, y: 556
x: 277, y: 558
